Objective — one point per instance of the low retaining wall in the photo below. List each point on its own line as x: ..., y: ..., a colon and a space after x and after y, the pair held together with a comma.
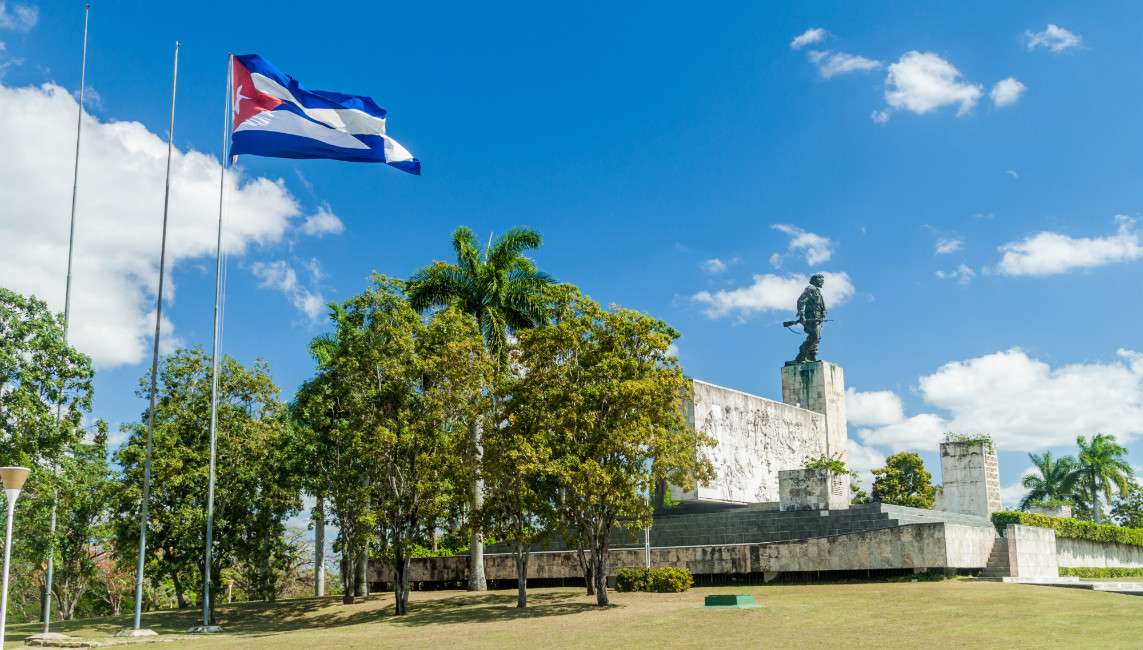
x: 1032, y: 552
x: 1085, y: 553
x: 915, y: 546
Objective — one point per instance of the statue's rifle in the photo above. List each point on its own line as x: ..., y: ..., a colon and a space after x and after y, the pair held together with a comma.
x: 802, y: 321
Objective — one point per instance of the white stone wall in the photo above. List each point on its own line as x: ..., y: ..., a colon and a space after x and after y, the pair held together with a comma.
x: 1083, y: 553
x: 968, y: 547
x: 1031, y: 552
x: 971, y: 478
x: 756, y: 439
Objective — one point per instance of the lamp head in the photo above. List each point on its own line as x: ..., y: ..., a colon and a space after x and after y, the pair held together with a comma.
x: 14, y: 477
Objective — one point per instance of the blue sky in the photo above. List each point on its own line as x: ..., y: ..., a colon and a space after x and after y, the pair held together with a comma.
x: 973, y: 170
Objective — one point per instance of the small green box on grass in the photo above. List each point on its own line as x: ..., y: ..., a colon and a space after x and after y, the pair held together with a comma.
x: 738, y: 601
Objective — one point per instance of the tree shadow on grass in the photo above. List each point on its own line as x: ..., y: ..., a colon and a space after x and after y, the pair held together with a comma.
x: 490, y: 607
x: 263, y: 619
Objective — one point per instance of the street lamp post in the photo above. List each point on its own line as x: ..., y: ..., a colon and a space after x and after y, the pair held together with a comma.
x: 13, y: 479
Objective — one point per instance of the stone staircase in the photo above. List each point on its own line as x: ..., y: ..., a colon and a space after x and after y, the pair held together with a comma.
x: 998, y: 560
x: 720, y: 524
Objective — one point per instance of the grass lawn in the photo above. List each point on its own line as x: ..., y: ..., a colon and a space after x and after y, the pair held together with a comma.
x: 953, y: 613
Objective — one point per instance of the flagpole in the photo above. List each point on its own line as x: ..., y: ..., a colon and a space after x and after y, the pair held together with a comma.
x: 50, y: 573
x: 206, y: 623
x: 155, y: 359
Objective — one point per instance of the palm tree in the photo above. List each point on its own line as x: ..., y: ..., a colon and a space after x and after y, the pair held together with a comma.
x: 1056, y: 481
x: 504, y: 291
x: 1102, y: 467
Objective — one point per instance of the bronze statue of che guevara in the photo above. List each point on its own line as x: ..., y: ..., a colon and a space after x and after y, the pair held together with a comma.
x: 811, y: 316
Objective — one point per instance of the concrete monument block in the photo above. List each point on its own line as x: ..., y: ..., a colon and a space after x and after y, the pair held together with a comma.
x: 1031, y: 552
x: 819, y: 386
x: 971, y: 478
x: 813, y: 489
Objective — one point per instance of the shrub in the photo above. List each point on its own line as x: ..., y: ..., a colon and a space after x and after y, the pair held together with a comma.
x: 661, y: 580
x: 1100, y: 572
x: 1072, y: 528
x: 971, y: 439
x: 832, y: 463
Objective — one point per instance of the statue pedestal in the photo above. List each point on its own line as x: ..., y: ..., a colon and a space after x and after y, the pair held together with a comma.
x: 819, y: 386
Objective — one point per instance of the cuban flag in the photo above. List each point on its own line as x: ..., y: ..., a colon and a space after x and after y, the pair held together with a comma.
x: 275, y: 116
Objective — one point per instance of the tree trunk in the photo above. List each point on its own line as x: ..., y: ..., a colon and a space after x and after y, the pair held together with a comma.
x: 585, y: 565
x: 180, y: 597
x: 319, y: 548
x: 521, y: 575
x: 362, y: 588
x: 400, y: 585
x: 1094, y: 500
x: 599, y: 573
x: 476, y: 579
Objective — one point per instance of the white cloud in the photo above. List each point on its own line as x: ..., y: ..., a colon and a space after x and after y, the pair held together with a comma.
x: 1024, y: 403
x: 948, y: 245
x: 323, y: 222
x: 873, y: 408
x: 963, y: 274
x: 815, y: 248
x: 776, y: 260
x: 1054, y: 38
x: 1006, y: 92
x: 880, y: 117
x: 1052, y: 253
x: 924, y: 432
x: 1015, y: 176
x: 808, y: 37
x: 1012, y: 494
x: 863, y: 460
x: 771, y: 292
x: 118, y: 217
x: 281, y: 276
x: 831, y: 64
x: 713, y: 265
x: 18, y: 17
x: 922, y: 81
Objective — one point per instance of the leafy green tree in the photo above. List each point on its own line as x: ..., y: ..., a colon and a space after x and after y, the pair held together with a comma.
x: 396, y: 392
x: 904, y: 481
x: 256, y: 488
x: 38, y: 370
x: 84, y: 480
x: 504, y: 291
x: 520, y: 506
x: 604, y: 387
x: 1101, y: 468
x: 1056, y: 482
x: 1127, y: 509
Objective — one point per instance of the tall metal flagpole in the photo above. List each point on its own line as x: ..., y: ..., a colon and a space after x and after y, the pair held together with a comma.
x: 206, y: 623
x: 49, y: 576
x: 155, y: 359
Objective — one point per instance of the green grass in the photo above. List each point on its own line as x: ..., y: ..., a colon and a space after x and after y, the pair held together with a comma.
x: 952, y: 613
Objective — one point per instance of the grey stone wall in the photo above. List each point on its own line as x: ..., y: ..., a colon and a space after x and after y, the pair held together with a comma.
x: 915, y: 546
x: 1031, y: 552
x: 971, y: 478
x: 968, y: 547
x: 756, y: 439
x: 812, y: 489
x: 1084, y: 553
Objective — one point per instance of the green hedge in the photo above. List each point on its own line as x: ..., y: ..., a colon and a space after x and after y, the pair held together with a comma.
x: 1073, y: 528
x: 663, y: 579
x: 1100, y: 572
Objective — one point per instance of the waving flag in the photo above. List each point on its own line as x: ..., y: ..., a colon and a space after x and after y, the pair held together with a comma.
x: 276, y: 116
